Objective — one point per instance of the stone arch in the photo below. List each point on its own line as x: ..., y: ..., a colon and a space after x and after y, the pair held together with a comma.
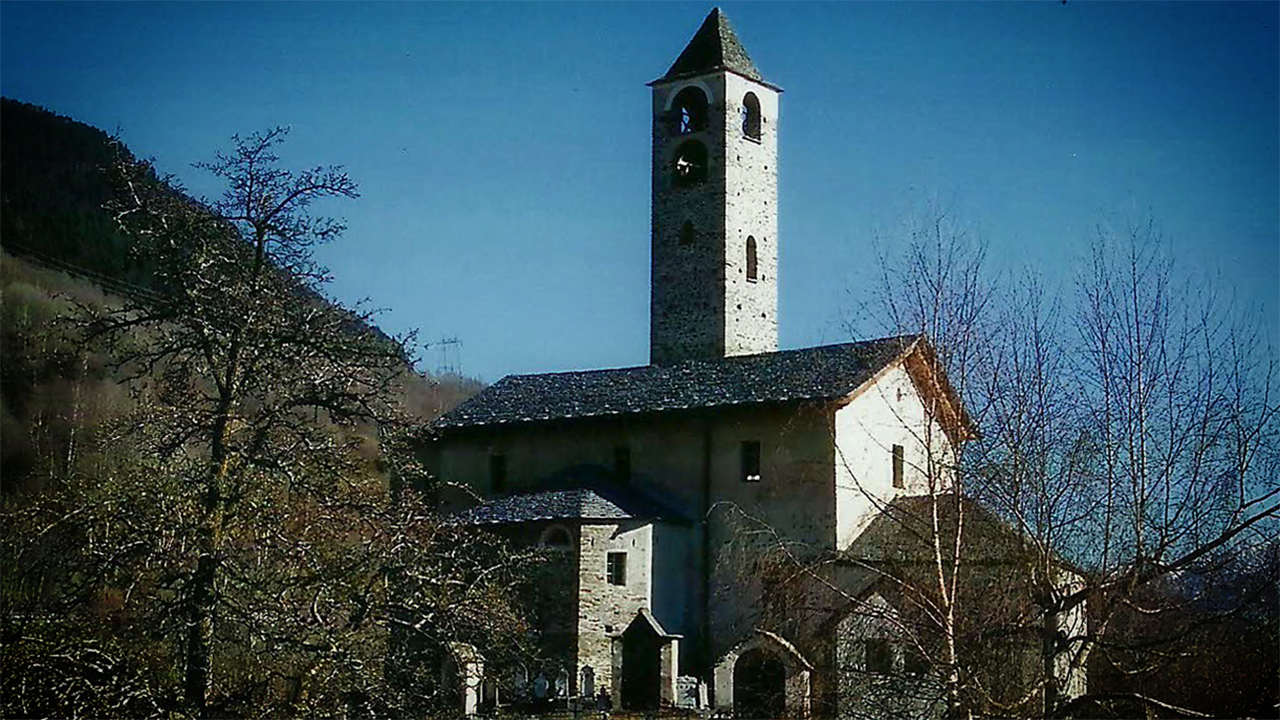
x: 759, y: 684
x: 751, y: 120
x: 766, y: 656
x: 670, y: 102
x: 690, y: 110
x: 557, y: 537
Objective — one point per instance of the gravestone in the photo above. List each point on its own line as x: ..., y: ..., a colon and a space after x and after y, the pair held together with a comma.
x: 540, y: 686
x: 687, y: 692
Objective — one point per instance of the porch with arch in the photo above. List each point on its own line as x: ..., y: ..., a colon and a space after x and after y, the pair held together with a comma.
x: 763, y: 676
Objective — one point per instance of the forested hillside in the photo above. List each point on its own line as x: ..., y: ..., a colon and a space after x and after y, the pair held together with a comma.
x: 53, y: 188
x: 212, y: 504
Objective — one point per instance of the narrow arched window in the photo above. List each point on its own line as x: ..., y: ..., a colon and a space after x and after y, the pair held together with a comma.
x: 690, y: 163
x: 751, y: 116
x: 686, y: 233
x: 751, y: 258
x: 690, y: 110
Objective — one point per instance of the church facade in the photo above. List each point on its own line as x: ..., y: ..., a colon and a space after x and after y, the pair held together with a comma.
x: 673, y: 497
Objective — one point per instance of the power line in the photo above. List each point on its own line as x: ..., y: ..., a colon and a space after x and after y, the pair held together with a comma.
x: 450, y: 355
x: 107, y: 282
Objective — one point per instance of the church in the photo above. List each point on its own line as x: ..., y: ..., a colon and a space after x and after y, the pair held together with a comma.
x: 673, y: 497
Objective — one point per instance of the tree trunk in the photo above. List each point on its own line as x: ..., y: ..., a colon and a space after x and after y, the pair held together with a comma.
x: 1048, y: 662
x: 199, y: 654
x: 204, y: 597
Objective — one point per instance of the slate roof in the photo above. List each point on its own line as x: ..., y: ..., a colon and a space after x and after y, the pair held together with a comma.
x: 714, y: 47
x: 819, y: 373
x: 594, y: 503
x: 903, y: 531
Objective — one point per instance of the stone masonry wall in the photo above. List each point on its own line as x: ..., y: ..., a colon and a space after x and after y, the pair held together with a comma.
x: 791, y: 506
x: 702, y: 304
x: 686, y: 305
x: 605, y: 610
x: 751, y: 209
x: 795, y: 496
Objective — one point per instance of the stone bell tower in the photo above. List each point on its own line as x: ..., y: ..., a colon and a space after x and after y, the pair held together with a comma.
x: 715, y: 203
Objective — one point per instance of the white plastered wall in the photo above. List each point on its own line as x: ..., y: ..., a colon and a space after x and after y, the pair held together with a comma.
x: 889, y: 412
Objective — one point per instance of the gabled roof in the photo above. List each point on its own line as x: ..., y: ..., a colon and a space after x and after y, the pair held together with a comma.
x: 598, y: 503
x: 645, y: 618
x: 827, y: 372
x: 714, y: 47
x: 903, y: 531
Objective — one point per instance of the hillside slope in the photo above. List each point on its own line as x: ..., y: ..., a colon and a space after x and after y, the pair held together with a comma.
x: 61, y: 247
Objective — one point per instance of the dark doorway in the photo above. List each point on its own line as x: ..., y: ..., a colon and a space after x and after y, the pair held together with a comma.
x: 641, y: 661
x: 759, y: 685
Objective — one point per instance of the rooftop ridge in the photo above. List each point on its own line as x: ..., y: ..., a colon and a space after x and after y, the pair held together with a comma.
x: 906, y: 338
x: 824, y: 372
x: 594, y: 501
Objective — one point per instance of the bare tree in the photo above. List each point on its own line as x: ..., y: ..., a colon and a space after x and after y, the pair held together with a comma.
x: 240, y: 358
x: 1181, y: 420
x: 1130, y: 441
x: 236, y: 539
x: 937, y: 288
x: 904, y: 603
x: 1124, y: 450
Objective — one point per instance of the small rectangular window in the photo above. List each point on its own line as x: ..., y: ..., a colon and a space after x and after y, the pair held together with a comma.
x: 622, y: 463
x: 498, y: 473
x: 617, y: 569
x: 751, y: 461
x: 898, y: 470
x: 879, y: 656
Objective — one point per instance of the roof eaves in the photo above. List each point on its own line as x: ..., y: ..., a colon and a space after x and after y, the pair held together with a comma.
x: 452, y: 428
x: 878, y: 374
x: 961, y: 426
x: 668, y: 79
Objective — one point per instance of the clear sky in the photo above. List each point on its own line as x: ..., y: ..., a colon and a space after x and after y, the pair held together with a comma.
x: 503, y: 149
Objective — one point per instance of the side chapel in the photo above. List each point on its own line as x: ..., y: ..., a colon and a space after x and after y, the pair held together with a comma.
x: 665, y: 492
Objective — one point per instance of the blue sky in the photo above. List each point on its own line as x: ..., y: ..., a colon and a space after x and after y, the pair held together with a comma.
x: 503, y: 149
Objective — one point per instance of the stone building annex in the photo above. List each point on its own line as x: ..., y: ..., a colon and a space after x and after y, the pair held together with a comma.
x: 665, y: 492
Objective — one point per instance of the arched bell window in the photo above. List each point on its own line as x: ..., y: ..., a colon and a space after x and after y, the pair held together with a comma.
x: 690, y: 163
x: 751, y: 258
x: 690, y: 110
x: 751, y: 116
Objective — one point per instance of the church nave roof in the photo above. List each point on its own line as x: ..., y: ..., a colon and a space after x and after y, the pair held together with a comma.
x: 826, y: 372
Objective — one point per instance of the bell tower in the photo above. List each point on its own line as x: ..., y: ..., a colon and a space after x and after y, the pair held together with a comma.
x: 714, y: 282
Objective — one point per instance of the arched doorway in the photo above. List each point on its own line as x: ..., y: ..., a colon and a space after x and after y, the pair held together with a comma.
x: 759, y: 685
x: 641, y: 667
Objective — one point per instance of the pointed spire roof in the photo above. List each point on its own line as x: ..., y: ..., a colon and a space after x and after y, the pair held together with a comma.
x: 714, y: 47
